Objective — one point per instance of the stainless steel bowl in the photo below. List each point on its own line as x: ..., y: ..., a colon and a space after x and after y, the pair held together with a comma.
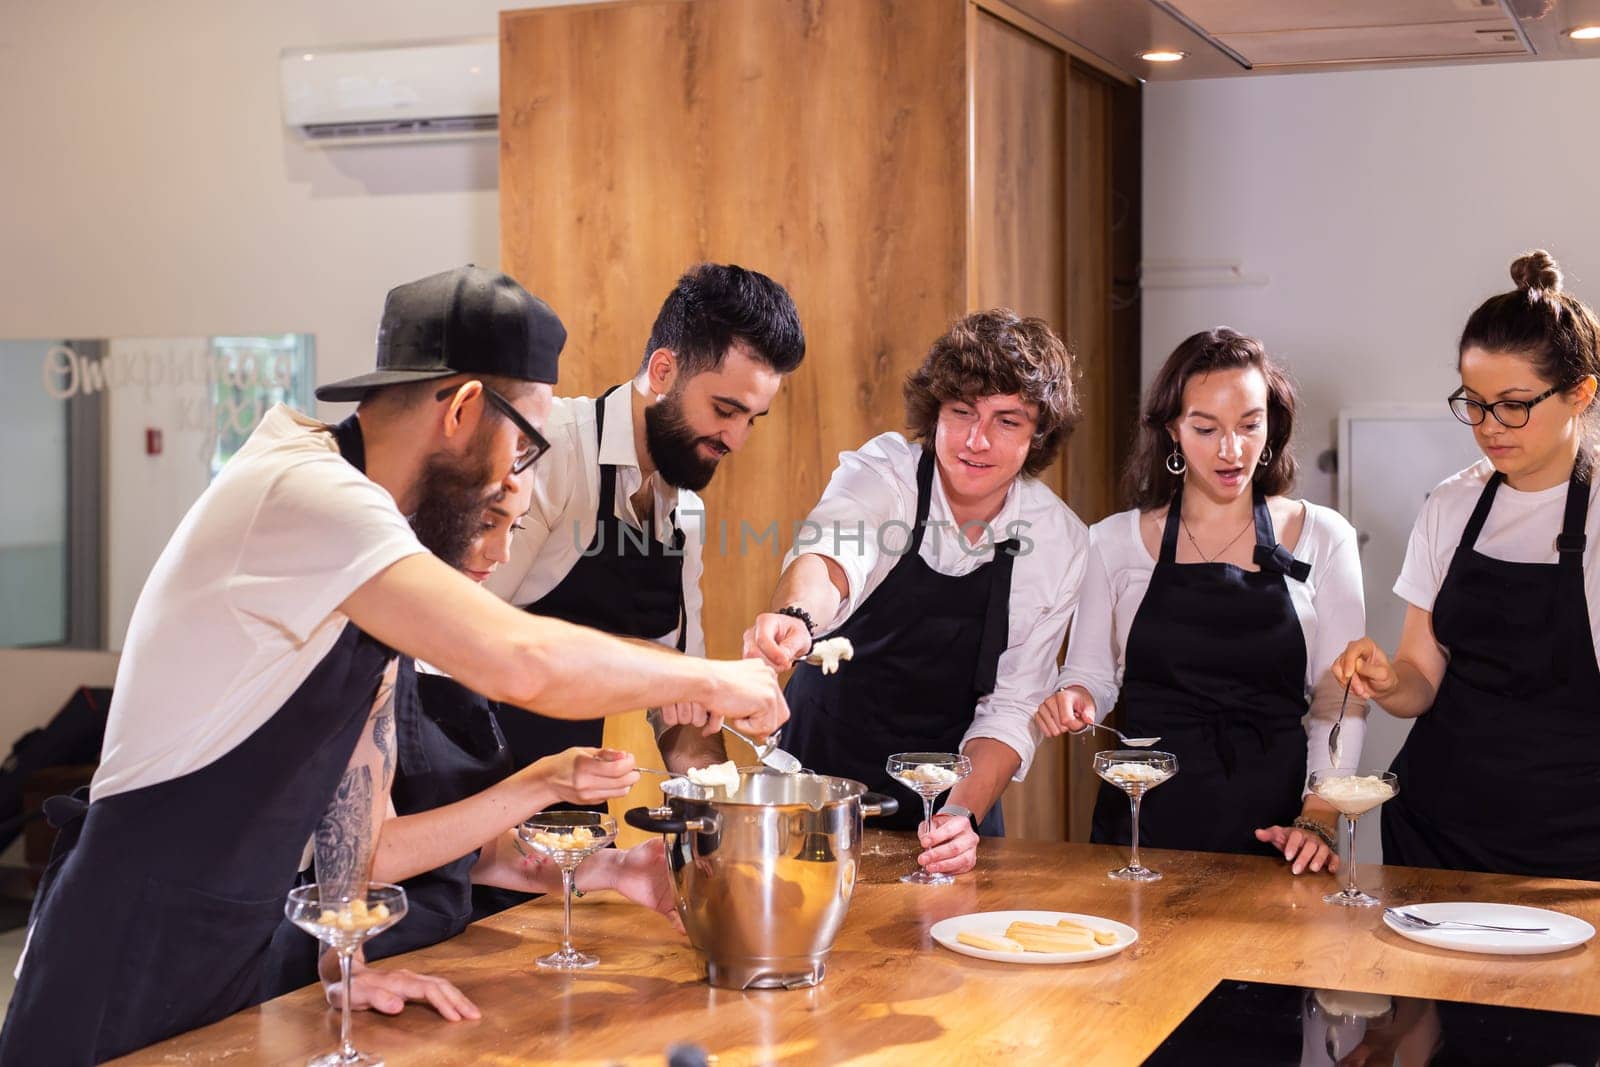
x: 764, y: 876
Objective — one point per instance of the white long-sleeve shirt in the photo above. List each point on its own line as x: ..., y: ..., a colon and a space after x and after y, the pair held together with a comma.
x: 566, y: 493
x: 1329, y: 605
x: 874, y: 489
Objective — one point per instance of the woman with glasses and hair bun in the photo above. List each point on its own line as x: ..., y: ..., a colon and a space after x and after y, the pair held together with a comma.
x: 1210, y: 611
x: 1497, y: 660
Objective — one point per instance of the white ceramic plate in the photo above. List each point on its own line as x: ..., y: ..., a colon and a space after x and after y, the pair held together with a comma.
x: 1565, y: 931
x: 994, y: 923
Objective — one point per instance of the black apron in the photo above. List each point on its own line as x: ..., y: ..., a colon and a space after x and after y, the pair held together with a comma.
x: 448, y: 748
x: 626, y: 583
x: 1215, y: 667
x: 927, y: 648
x: 1502, y: 773
x: 163, y: 900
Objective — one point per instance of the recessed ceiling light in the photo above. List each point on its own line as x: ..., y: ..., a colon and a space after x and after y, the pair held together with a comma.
x: 308, y: 57
x: 1584, y: 33
x: 1161, y: 55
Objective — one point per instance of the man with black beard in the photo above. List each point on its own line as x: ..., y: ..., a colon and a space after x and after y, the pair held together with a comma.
x: 613, y: 539
x: 253, y: 707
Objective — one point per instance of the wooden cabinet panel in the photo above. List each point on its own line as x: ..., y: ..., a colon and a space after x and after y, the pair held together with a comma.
x: 1019, y: 260
x: 892, y: 162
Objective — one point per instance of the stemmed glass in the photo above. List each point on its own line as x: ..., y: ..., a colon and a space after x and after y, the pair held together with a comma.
x: 342, y: 923
x: 928, y: 774
x: 568, y: 838
x: 1352, y: 794
x: 1135, y: 771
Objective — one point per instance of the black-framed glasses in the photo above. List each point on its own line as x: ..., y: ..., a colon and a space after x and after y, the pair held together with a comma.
x: 1512, y: 414
x: 538, y: 445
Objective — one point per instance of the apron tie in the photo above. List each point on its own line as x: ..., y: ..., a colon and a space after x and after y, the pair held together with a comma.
x: 1280, y: 560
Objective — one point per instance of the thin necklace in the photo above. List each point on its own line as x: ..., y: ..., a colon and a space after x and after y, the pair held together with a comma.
x: 1212, y: 559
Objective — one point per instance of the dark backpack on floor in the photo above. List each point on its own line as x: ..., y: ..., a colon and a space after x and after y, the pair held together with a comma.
x: 72, y: 737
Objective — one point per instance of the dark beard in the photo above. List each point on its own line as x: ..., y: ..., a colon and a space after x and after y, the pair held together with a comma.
x: 672, y: 443
x: 452, y: 498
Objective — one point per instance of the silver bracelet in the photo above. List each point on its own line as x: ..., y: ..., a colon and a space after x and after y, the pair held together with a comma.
x: 1312, y: 826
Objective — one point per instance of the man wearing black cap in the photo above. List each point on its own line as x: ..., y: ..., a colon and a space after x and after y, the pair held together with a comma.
x: 260, y: 658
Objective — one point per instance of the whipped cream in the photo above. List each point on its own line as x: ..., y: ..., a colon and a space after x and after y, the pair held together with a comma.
x: 723, y: 776
x: 1135, y: 774
x: 827, y: 653
x: 1354, y: 794
x: 930, y: 774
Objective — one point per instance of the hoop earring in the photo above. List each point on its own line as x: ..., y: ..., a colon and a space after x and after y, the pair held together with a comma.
x: 1266, y: 457
x: 1176, y: 464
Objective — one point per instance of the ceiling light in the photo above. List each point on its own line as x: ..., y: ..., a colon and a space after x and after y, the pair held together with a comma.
x: 1585, y: 33
x: 1161, y: 55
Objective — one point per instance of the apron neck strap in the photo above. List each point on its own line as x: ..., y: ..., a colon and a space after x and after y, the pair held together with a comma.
x: 925, y: 472
x: 607, y: 506
x: 1469, y: 536
x: 1572, y: 540
x: 352, y: 446
x: 1269, y: 555
x: 1266, y: 537
x: 1169, y: 532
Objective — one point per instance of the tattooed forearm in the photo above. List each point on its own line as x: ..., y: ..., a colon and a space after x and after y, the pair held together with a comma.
x: 345, y: 839
x: 383, y: 735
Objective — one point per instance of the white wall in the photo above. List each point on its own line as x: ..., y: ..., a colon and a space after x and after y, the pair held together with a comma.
x: 1382, y: 206
x: 149, y: 189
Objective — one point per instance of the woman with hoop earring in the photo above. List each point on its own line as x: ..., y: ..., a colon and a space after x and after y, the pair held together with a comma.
x: 1210, y: 612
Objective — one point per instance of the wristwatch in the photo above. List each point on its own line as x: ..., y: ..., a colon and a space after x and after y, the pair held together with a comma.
x: 957, y: 809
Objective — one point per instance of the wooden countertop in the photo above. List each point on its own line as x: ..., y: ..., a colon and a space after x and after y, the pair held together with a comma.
x: 893, y: 996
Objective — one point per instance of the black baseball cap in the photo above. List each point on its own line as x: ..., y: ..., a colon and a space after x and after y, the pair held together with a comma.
x: 463, y: 321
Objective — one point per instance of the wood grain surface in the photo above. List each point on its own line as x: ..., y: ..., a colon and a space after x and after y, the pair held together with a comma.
x: 894, y: 163
x: 892, y: 996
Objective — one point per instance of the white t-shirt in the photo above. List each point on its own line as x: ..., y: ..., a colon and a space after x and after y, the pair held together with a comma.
x: 243, y: 603
x: 1521, y: 528
x: 875, y: 489
x: 1328, y: 603
x: 566, y: 494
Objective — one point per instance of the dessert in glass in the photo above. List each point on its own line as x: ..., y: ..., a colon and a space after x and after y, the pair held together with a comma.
x: 568, y: 838
x: 1352, y: 794
x: 342, y: 923
x: 928, y: 774
x: 1135, y: 771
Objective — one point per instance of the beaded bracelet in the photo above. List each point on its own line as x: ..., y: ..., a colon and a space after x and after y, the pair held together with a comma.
x: 1312, y: 826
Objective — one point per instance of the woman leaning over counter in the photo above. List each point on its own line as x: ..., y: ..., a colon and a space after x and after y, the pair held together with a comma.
x: 1210, y: 608
x: 1497, y: 658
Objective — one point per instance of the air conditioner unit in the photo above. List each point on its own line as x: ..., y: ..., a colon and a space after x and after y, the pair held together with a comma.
x: 419, y: 90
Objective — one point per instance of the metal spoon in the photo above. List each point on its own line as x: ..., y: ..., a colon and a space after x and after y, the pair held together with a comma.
x: 1131, y: 742
x: 1408, y: 919
x: 768, y: 752
x: 1333, y: 735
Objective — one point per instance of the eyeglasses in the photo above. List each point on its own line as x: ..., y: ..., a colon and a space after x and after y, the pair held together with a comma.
x: 1512, y: 414
x: 538, y: 445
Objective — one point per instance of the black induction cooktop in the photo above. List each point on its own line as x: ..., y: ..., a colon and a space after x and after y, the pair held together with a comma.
x: 1260, y: 1024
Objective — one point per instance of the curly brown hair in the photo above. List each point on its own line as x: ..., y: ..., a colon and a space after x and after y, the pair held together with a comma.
x: 998, y: 353
x: 1147, y: 483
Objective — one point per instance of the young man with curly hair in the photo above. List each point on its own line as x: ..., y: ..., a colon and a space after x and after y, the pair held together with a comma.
x: 951, y: 569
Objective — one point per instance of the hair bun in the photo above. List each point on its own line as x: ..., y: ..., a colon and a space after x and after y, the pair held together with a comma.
x: 1536, y: 270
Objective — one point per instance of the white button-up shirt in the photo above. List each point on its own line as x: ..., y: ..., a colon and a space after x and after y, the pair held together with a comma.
x: 875, y: 488
x: 566, y: 493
